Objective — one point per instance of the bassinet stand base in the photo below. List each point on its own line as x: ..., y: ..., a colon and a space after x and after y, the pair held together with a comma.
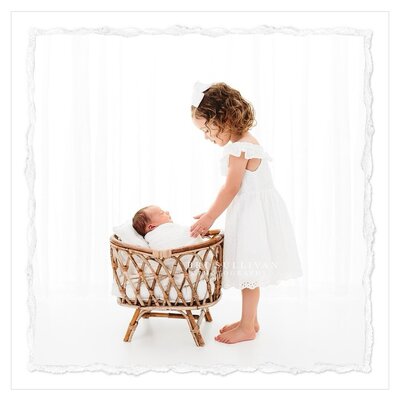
x: 187, y: 314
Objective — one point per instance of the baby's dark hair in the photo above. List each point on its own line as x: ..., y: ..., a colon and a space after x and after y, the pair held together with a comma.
x: 226, y: 108
x: 140, y: 220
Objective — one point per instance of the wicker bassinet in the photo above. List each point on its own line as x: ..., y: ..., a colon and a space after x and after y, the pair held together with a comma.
x: 180, y: 280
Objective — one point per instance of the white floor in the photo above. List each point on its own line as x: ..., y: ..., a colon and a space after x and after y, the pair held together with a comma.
x: 297, y: 333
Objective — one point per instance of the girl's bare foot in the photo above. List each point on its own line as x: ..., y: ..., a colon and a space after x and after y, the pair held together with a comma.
x: 235, y: 325
x: 235, y: 335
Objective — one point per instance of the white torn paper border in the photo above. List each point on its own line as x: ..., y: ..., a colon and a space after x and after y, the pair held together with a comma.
x: 366, y: 164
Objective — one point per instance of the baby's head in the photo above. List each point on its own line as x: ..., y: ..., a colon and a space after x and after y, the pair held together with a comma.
x: 223, y: 114
x: 148, y: 218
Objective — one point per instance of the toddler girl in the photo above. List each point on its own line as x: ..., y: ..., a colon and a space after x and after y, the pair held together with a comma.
x: 259, y: 242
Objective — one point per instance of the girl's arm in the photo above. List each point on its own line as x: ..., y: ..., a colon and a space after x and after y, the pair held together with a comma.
x: 236, y: 170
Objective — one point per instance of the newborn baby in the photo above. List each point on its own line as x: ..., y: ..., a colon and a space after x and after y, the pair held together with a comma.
x: 159, y: 231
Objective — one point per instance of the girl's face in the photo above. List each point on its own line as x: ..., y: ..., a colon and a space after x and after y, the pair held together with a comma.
x: 211, y: 134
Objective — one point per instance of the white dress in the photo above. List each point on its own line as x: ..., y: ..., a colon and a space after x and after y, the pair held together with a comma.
x: 259, y: 241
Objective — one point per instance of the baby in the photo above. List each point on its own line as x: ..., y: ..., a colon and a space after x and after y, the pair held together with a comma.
x: 159, y: 231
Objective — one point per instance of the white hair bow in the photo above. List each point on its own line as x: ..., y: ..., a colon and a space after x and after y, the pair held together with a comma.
x: 198, y: 94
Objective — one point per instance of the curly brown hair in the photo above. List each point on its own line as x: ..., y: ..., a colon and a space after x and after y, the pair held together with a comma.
x: 140, y: 221
x: 225, y: 107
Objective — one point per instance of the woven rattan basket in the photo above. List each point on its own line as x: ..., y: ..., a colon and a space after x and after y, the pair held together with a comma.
x: 181, y: 280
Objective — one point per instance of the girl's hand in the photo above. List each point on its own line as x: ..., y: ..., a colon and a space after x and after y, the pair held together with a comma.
x: 202, y: 225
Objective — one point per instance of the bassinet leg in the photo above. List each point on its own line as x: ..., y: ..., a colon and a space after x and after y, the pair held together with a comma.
x: 208, y: 315
x: 194, y: 329
x: 132, y: 326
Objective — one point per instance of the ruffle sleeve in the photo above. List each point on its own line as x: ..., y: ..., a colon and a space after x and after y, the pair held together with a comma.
x: 251, y: 150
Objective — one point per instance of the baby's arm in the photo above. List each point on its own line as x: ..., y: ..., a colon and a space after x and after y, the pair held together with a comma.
x: 236, y: 170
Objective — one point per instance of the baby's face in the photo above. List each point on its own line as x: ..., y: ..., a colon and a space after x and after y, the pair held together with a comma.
x: 211, y: 134
x: 158, y: 216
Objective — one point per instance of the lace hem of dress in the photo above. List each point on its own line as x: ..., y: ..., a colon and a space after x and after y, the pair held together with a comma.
x: 258, y: 283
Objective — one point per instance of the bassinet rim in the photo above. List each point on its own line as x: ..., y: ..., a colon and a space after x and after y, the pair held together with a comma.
x: 218, y: 236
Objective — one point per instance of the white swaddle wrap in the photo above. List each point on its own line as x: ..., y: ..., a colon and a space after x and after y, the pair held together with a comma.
x: 170, y: 236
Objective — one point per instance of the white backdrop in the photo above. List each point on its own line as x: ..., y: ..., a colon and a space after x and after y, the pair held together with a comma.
x: 111, y: 132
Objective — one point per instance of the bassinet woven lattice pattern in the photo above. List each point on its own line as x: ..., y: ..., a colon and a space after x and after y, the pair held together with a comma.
x: 180, y: 280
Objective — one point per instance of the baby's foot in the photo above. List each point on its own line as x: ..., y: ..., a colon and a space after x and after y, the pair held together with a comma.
x: 235, y: 335
x: 235, y: 325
